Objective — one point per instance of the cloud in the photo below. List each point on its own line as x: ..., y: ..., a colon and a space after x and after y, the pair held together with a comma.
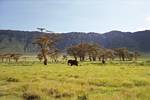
x: 141, y: 28
x: 147, y: 19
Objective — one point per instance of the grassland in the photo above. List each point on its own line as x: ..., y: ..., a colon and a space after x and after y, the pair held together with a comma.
x: 90, y: 81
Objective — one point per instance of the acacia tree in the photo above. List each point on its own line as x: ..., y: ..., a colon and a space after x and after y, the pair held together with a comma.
x: 79, y: 50
x: 136, y: 55
x: 73, y: 51
x: 41, y: 29
x: 45, y: 43
x: 40, y: 57
x: 110, y: 54
x: 82, y: 50
x: 93, y: 51
x: 132, y: 55
x: 121, y: 53
x: 101, y: 54
x: 16, y: 57
x: 54, y: 54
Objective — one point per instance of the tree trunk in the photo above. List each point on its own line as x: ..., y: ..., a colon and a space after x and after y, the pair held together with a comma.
x: 123, y: 58
x: 99, y: 58
x: 2, y: 59
x: 90, y: 58
x: 75, y: 58
x: 94, y: 58
x: 16, y: 60
x: 45, y: 61
x: 9, y: 59
x: 103, y: 59
x: 82, y: 58
x: 44, y: 56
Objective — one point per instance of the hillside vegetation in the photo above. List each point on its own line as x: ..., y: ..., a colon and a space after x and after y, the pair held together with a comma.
x: 22, y: 41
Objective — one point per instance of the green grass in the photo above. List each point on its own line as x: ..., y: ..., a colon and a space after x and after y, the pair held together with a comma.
x: 89, y: 81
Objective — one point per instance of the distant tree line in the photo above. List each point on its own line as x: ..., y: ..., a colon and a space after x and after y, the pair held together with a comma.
x: 8, y: 57
x: 82, y: 51
x: 96, y: 52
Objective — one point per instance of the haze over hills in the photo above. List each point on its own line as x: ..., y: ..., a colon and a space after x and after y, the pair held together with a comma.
x: 22, y: 41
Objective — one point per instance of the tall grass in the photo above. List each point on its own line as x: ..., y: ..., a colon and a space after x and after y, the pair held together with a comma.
x: 28, y: 80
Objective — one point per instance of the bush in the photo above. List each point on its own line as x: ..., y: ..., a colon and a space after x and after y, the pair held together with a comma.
x: 127, y: 84
x: 31, y: 96
x: 140, y: 82
x: 11, y: 79
x: 82, y: 97
x: 56, y: 94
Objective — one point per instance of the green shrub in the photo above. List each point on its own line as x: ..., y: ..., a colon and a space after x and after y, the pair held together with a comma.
x: 56, y: 94
x: 140, y: 82
x: 31, y: 96
x: 82, y: 97
x: 11, y: 79
x: 127, y: 84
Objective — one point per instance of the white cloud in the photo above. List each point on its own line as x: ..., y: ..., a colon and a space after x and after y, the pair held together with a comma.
x: 141, y: 28
x: 147, y: 19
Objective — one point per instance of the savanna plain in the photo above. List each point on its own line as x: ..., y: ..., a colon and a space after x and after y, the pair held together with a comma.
x: 115, y: 80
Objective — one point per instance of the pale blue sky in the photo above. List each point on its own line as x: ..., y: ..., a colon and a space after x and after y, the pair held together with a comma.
x: 75, y: 15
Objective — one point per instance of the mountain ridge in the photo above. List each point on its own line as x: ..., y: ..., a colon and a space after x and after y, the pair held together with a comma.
x: 21, y: 41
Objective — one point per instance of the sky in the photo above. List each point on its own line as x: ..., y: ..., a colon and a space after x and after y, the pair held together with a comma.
x: 75, y: 15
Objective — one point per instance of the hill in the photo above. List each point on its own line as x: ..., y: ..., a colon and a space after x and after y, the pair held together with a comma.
x: 21, y: 41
